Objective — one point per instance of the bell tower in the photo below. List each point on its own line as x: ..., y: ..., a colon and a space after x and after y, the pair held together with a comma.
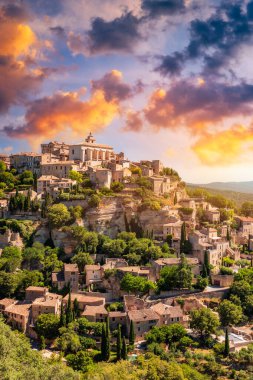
x: 90, y: 139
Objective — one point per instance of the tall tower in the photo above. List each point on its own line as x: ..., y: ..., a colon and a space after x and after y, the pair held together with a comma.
x: 90, y: 139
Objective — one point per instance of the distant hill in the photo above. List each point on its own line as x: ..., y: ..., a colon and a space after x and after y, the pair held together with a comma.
x: 241, y: 187
x: 235, y: 196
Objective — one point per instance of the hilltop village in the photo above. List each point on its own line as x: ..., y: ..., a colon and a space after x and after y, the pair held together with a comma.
x: 104, y: 259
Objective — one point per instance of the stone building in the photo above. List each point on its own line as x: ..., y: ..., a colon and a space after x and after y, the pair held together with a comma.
x: 56, y: 150
x: 59, y: 169
x: 6, y: 159
x: 26, y: 161
x: 69, y: 276
x: 90, y: 152
x: 53, y: 185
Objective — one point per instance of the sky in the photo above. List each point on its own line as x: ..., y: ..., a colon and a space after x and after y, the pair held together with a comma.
x: 156, y: 79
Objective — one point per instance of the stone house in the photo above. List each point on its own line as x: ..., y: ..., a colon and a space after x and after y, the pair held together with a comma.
x: 95, y: 313
x: 117, y: 318
x: 160, y: 185
x: 26, y: 161
x: 101, y: 177
x: 143, y: 321
x: 93, y: 274
x: 17, y: 313
x: 245, y: 225
x: 50, y: 303
x: 172, y: 261
x: 53, y: 185
x: 59, y: 169
x: 69, y: 276
x: 168, y: 314
x: 84, y: 300
x: 173, y: 229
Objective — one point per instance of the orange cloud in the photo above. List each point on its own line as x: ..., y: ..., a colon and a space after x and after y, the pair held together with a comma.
x: 225, y: 147
x: 49, y: 116
x: 16, y: 38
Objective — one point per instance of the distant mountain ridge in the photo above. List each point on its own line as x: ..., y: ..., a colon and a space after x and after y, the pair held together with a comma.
x: 244, y: 187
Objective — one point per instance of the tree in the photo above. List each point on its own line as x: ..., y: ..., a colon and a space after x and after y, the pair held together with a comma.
x: 136, y: 284
x: 107, y: 341
x: 183, y: 237
x: 131, y: 334
x: 204, y: 322
x: 94, y: 200
x: 119, y: 343
x: 47, y: 325
x: 3, y: 166
x: 69, y: 341
x: 58, y: 215
x: 206, y: 263
x: 62, y: 317
x: 76, y: 310
x: 82, y: 259
x: 76, y: 176
x: 103, y: 343
x: 124, y: 349
x: 69, y: 314
x: 230, y: 314
x: 117, y: 187
x: 227, y: 348
x: 11, y: 258
x: 79, y: 361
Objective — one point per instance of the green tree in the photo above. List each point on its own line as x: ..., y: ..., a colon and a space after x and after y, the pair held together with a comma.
x: 62, y: 317
x: 58, y: 215
x: 3, y: 166
x: 103, y: 343
x: 107, y: 341
x: 69, y: 341
x: 183, y: 237
x: 76, y: 310
x: 69, y: 314
x: 80, y: 361
x: 230, y: 314
x: 82, y: 259
x: 131, y: 333
x: 117, y: 187
x: 124, y: 349
x: 204, y: 322
x: 119, y: 343
x: 47, y: 325
x: 136, y: 284
x: 75, y: 176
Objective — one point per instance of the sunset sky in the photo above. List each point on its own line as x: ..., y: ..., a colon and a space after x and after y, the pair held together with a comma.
x: 168, y: 79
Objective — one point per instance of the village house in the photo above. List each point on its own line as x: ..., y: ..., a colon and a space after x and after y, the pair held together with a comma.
x: 26, y: 161
x: 174, y: 261
x: 59, y: 169
x: 93, y: 274
x: 173, y: 229
x: 160, y: 185
x: 101, y: 177
x: 53, y: 185
x: 3, y: 208
x: 68, y: 277
x: 212, y: 214
x: 168, y: 314
x: 143, y: 321
x: 84, y: 300
x: 17, y: 313
x: 95, y: 313
x: 50, y: 303
x: 117, y: 318
x: 245, y: 225
x: 56, y: 150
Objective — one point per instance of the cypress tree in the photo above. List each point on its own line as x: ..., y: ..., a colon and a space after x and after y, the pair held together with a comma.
x: 206, y: 263
x: 119, y: 343
x: 69, y: 315
x: 227, y: 348
x: 183, y: 237
x: 131, y: 333
x: 76, y: 310
x: 204, y: 271
x: 62, y: 317
x: 124, y: 349
x: 228, y: 235
x: 175, y: 199
x: 103, y: 343
x: 107, y: 341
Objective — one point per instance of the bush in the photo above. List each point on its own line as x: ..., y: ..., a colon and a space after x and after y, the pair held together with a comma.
x: 117, y: 187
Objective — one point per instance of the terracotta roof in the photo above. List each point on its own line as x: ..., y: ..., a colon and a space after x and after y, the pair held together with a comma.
x: 176, y: 261
x: 92, y: 267
x: 244, y: 219
x: 117, y: 314
x: 20, y: 308
x: 93, y: 310
x: 51, y: 299
x: 7, y: 301
x: 142, y: 315
x: 162, y: 309
x: 84, y: 299
x: 47, y: 178
x: 71, y: 267
x: 36, y: 288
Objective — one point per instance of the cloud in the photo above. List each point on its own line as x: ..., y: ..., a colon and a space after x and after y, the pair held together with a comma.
x: 119, y: 35
x: 225, y: 147
x: 194, y: 105
x: 134, y: 122
x: 114, y: 88
x: 214, y: 41
x: 45, y: 7
x: 171, y: 64
x: 157, y: 8
x: 47, y: 117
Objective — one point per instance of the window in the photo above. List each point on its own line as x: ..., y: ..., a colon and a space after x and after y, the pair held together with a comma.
x: 73, y: 151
